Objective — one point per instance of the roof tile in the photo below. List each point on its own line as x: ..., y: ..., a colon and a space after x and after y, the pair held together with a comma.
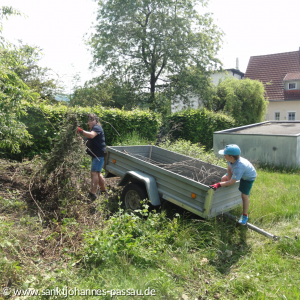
x: 273, y: 69
x: 292, y: 76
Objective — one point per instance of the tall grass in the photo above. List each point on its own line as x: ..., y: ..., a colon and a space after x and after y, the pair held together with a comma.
x: 275, y: 197
x: 131, y: 139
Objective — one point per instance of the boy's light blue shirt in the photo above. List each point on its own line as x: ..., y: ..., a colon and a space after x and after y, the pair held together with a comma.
x: 242, y: 168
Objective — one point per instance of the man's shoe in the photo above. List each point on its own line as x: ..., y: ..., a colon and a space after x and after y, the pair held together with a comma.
x: 243, y: 220
x: 92, y: 196
x: 105, y: 192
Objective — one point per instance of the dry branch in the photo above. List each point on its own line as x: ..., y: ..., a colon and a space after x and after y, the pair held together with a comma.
x: 187, y: 168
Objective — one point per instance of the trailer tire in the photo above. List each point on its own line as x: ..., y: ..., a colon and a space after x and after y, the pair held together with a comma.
x: 132, y: 196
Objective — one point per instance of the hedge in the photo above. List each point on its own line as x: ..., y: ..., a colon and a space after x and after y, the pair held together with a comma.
x: 44, y: 122
x: 198, y: 125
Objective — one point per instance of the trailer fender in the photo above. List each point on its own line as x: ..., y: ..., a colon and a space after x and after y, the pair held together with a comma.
x: 149, y: 182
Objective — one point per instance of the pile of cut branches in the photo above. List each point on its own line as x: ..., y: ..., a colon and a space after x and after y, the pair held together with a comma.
x: 206, y: 174
x: 61, y: 176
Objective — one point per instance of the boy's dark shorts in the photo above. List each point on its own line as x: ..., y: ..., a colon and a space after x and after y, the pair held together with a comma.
x: 245, y: 186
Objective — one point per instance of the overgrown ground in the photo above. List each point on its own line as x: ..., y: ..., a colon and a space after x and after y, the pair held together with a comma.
x: 179, y: 255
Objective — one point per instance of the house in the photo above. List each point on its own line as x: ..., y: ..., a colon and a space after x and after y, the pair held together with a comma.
x: 195, y: 101
x: 280, y: 73
x: 236, y: 73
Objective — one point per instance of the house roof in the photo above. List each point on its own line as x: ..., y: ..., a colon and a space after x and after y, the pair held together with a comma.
x: 292, y: 76
x: 273, y: 69
x: 236, y: 71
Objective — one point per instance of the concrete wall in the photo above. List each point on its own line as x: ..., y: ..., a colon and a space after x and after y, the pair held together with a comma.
x: 283, y: 107
x: 272, y: 149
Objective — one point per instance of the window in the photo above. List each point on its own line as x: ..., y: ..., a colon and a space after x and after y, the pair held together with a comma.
x: 291, y: 115
x: 292, y: 86
x: 277, y: 116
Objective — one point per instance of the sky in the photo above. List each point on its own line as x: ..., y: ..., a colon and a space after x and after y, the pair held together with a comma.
x: 251, y: 27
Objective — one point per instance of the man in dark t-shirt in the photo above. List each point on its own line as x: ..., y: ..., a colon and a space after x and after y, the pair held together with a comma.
x: 95, y: 142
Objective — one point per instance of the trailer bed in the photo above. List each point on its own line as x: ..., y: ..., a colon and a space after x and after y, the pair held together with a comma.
x: 178, y: 178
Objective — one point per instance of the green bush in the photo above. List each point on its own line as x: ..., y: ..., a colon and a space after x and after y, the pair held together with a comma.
x: 44, y: 122
x: 141, y: 240
x: 198, y: 125
x: 194, y: 150
x: 132, y: 139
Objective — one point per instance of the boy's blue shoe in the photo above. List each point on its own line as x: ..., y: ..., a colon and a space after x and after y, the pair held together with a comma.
x: 243, y: 220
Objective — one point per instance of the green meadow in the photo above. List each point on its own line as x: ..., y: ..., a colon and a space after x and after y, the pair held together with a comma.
x: 164, y: 254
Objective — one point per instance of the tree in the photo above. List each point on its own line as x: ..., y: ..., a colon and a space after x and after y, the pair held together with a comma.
x: 37, y: 78
x: 190, y: 83
x: 92, y: 93
x: 242, y: 99
x: 150, y: 40
x: 14, y: 93
x: 108, y: 92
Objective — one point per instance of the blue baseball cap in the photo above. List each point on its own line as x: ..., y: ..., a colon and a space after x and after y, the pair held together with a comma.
x: 231, y: 150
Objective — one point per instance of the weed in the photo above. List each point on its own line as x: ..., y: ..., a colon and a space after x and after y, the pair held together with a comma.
x: 194, y: 150
x: 132, y: 138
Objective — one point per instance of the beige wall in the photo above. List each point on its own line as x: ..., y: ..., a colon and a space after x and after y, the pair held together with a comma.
x: 283, y: 107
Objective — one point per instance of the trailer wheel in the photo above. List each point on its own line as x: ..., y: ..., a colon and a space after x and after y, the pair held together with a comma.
x: 132, y: 195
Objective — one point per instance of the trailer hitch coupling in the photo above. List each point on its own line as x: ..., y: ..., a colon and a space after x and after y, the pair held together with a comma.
x: 254, y: 228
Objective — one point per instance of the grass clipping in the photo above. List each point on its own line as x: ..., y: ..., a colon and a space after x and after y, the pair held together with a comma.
x: 61, y: 176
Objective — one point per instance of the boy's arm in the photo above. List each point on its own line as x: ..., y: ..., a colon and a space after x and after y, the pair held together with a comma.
x: 228, y: 183
x: 231, y: 181
x: 229, y: 174
x: 224, y: 183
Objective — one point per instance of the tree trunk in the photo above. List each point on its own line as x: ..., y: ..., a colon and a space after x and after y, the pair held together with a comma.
x: 152, y: 91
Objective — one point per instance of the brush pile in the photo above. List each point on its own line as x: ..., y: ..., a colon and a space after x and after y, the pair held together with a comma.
x: 61, y: 176
x: 206, y: 174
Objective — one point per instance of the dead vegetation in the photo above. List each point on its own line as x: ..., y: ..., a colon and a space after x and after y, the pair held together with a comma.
x: 44, y: 209
x: 203, y: 173
x: 44, y: 205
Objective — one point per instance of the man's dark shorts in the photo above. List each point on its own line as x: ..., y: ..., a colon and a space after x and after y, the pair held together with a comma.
x: 97, y: 164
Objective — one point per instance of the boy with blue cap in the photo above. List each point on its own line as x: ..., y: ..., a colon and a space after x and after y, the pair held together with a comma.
x: 238, y: 168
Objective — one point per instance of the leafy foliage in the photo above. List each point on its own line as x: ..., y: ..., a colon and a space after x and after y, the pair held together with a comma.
x: 242, y: 99
x: 131, y: 138
x: 171, y: 251
x: 107, y: 92
x: 151, y: 40
x: 194, y: 150
x: 43, y: 122
x: 60, y: 172
x: 14, y: 93
x: 190, y: 83
x: 127, y: 233
x: 38, y: 79
x: 5, y: 12
x: 198, y: 125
